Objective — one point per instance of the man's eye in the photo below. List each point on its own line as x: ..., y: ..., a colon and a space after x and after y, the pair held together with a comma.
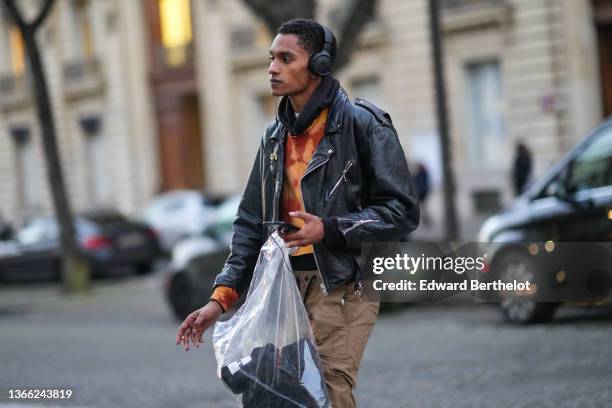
x: 271, y: 58
x: 286, y: 60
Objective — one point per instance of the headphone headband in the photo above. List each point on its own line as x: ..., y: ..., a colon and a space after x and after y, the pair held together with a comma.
x: 328, y: 39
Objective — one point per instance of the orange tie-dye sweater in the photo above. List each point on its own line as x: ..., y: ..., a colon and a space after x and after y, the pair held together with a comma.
x: 298, y: 152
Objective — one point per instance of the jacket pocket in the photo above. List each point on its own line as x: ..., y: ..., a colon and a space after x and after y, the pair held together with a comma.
x: 341, y: 179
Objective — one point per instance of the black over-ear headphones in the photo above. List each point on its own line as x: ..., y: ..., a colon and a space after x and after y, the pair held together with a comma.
x: 320, y: 63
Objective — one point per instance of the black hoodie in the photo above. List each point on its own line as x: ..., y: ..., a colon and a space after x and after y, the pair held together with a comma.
x: 320, y: 99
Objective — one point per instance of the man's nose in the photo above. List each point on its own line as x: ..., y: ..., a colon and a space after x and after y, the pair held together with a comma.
x: 273, y: 68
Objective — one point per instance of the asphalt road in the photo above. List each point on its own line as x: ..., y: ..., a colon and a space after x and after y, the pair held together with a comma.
x: 116, y: 349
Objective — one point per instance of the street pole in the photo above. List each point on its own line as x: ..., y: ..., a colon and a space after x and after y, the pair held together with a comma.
x: 450, y: 212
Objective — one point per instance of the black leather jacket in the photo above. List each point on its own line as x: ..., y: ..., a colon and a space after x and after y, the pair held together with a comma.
x: 357, y: 181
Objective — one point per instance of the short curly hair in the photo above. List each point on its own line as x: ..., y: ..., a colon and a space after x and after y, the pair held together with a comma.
x: 310, y: 35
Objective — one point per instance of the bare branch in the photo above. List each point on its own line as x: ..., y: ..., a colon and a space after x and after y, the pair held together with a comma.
x: 15, y: 14
x: 42, y: 14
x: 23, y: 25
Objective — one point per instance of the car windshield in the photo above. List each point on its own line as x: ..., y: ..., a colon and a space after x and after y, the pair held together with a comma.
x: 46, y: 230
x: 38, y: 230
x: 592, y: 168
x: 168, y: 204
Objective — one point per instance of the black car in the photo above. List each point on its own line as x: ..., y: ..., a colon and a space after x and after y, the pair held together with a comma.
x: 571, y: 203
x: 190, y: 288
x: 110, y: 242
x: 119, y: 242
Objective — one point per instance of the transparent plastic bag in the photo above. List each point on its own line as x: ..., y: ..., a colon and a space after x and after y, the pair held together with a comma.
x: 266, y: 353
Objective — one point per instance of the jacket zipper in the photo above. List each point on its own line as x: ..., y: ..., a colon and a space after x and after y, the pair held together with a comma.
x: 279, y: 175
x: 355, y: 223
x: 314, y: 251
x: 348, y: 166
x: 308, y: 171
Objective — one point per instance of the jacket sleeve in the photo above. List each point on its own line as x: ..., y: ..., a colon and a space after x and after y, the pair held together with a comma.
x: 391, y: 208
x: 247, y: 233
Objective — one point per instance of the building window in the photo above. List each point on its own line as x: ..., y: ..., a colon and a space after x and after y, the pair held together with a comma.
x: 96, y: 159
x: 248, y: 37
x: 176, y: 33
x: 27, y: 183
x: 242, y: 38
x: 485, y: 122
x: 82, y: 32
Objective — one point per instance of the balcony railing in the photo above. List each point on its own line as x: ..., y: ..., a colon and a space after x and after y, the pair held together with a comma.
x: 458, y: 4
x: 460, y: 15
x: 174, y: 58
x: 14, y: 91
x: 83, y: 77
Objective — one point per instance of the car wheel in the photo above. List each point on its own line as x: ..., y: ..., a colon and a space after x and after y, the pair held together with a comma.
x: 180, y: 296
x: 520, y: 308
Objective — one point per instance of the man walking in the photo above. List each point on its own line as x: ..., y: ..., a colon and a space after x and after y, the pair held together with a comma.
x: 336, y: 170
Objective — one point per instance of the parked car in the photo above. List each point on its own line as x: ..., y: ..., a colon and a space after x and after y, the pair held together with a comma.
x: 34, y: 259
x: 110, y: 242
x: 179, y: 214
x: 571, y: 203
x: 196, y: 261
x: 116, y: 241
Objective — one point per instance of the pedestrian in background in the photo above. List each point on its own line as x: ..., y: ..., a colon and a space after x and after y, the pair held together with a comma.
x: 422, y: 186
x: 521, y: 170
x: 336, y: 170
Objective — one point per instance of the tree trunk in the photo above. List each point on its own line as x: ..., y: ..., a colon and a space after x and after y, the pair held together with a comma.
x: 75, y: 272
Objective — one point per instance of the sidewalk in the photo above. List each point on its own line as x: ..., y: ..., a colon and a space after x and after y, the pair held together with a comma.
x: 37, y: 297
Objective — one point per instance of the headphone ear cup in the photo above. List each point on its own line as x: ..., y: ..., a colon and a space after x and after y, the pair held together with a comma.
x: 320, y: 63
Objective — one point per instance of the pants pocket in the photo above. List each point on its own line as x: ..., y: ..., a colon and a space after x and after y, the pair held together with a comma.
x: 360, y: 315
x: 329, y: 326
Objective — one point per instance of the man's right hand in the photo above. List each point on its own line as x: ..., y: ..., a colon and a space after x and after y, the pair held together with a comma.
x: 193, y: 327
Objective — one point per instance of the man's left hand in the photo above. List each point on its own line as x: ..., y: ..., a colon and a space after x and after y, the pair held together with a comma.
x: 311, y: 233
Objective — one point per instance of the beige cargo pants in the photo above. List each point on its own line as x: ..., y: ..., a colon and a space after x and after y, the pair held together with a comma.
x: 341, y: 322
